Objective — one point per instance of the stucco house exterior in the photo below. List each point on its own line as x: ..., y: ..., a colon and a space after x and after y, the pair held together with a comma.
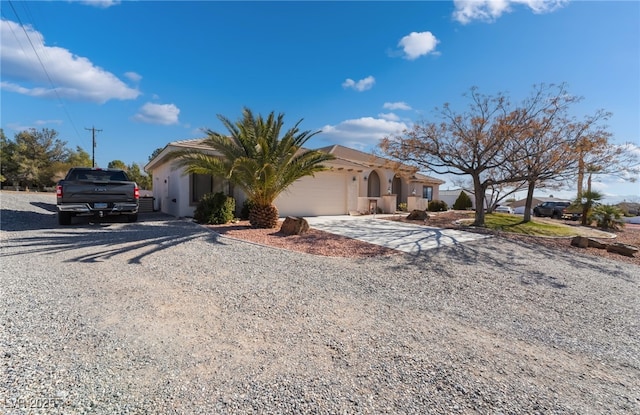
x: 355, y: 183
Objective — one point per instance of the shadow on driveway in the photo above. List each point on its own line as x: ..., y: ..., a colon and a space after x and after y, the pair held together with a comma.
x: 99, y: 241
x: 409, y: 238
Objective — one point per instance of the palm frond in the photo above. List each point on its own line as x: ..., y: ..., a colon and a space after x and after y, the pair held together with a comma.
x: 255, y: 157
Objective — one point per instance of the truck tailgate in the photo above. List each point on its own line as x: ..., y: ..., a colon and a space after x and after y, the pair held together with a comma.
x: 90, y: 192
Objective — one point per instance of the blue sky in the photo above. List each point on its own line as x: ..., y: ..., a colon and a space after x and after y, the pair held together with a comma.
x: 147, y: 73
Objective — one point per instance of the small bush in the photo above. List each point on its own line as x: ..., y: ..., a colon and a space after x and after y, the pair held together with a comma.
x: 402, y: 207
x: 463, y: 202
x: 437, y: 206
x: 215, y: 209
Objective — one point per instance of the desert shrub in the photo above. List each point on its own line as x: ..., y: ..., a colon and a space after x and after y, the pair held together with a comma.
x: 246, y: 207
x: 215, y: 209
x: 608, y: 217
x: 437, y: 206
x: 463, y: 202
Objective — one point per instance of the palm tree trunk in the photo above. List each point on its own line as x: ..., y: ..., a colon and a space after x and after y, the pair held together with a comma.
x: 264, y: 216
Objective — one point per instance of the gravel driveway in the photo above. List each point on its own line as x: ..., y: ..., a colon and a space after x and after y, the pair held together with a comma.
x: 163, y: 316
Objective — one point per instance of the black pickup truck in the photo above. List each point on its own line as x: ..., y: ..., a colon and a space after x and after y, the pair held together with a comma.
x: 556, y: 210
x: 96, y: 192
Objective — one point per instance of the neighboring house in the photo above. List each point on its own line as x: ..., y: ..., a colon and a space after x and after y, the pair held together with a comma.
x: 356, y: 182
x: 450, y: 197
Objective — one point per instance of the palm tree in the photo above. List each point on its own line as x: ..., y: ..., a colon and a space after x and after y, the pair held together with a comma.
x: 255, y: 158
x: 608, y: 217
x: 587, y: 200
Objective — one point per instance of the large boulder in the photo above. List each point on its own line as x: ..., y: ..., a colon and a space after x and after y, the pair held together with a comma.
x: 294, y: 226
x: 418, y: 215
x: 580, y: 241
x: 622, y: 249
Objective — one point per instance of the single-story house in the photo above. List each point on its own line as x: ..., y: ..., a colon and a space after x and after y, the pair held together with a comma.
x: 355, y: 182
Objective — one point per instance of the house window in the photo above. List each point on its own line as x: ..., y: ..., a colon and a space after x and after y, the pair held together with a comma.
x: 427, y: 192
x: 201, y: 184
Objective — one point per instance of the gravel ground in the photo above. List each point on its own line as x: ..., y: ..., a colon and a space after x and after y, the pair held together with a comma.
x: 164, y: 316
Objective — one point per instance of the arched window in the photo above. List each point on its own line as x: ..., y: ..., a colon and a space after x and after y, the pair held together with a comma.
x: 373, y: 185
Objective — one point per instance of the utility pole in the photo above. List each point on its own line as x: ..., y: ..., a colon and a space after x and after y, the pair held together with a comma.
x: 93, y: 147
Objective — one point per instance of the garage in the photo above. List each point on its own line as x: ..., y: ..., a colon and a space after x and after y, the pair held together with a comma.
x: 324, y: 194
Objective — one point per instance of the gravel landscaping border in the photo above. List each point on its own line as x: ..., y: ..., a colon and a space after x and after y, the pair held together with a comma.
x: 166, y: 317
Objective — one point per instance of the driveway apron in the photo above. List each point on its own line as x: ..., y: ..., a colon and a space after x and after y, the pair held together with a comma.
x: 401, y: 236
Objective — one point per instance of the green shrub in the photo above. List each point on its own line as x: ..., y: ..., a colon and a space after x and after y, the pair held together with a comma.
x: 463, y: 202
x: 402, y: 207
x: 215, y: 209
x: 437, y: 206
x: 246, y: 207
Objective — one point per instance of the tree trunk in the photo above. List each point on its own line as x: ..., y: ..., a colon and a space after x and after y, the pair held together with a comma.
x: 479, y: 191
x: 265, y: 216
x: 580, y: 175
x: 586, y: 205
x: 529, y: 202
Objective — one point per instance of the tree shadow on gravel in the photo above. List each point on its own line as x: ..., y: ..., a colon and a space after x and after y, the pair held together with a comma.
x: 507, y: 256
x: 105, y: 240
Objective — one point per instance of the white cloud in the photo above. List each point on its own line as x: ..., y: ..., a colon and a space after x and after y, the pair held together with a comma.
x: 362, y: 132
x: 165, y: 114
x: 490, y: 10
x: 74, y: 77
x: 103, y: 4
x: 632, y: 148
x: 133, y: 77
x: 417, y: 44
x: 389, y: 116
x: 396, y: 106
x: 47, y: 122
x: 361, y: 85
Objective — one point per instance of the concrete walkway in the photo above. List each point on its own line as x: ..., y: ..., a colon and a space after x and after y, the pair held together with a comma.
x: 402, y: 236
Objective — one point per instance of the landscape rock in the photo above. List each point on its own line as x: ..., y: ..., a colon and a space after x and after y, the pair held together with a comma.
x: 294, y: 226
x: 580, y: 241
x: 594, y: 243
x: 418, y: 215
x: 622, y: 249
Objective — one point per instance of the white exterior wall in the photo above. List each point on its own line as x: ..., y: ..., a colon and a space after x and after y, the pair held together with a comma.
x: 171, y: 190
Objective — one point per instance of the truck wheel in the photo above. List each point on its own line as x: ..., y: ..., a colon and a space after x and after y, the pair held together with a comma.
x: 64, y: 218
x: 132, y: 218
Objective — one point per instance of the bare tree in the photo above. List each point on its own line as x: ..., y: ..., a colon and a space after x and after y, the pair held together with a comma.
x: 473, y: 143
x: 545, y: 139
x: 598, y: 156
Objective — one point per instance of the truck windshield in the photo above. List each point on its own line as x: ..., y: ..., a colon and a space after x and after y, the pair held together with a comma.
x: 98, y: 176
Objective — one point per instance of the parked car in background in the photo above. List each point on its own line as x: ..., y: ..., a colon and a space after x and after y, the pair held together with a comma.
x: 520, y: 210
x: 504, y: 209
x: 557, y: 210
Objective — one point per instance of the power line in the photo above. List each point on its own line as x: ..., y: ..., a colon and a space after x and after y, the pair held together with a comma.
x: 53, y: 86
x: 93, y: 147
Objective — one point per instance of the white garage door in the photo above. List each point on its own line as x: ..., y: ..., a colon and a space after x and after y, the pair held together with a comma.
x: 324, y: 194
